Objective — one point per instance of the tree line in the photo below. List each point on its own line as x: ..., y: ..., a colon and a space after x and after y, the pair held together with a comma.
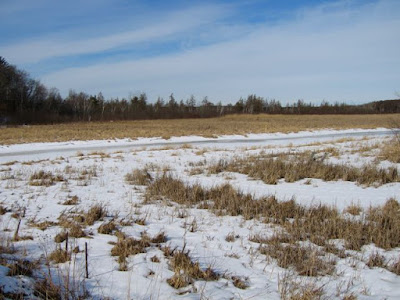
x: 24, y: 100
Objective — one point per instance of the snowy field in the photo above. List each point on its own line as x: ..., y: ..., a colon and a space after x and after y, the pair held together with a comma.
x: 50, y: 187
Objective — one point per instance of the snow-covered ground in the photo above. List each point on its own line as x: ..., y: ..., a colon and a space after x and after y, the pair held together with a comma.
x: 94, y: 172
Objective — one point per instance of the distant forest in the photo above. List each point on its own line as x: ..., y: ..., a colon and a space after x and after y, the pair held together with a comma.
x: 24, y: 100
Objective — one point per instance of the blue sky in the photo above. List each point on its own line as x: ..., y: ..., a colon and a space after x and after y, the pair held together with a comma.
x: 313, y: 50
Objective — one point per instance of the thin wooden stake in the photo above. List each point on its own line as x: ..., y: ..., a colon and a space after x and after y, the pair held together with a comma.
x: 86, y: 261
x: 16, y: 231
x: 66, y: 243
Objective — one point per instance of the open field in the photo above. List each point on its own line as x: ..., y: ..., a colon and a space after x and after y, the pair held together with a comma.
x: 295, y: 218
x: 227, y: 125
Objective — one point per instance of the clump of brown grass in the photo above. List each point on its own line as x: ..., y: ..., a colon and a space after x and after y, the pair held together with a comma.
x: 42, y: 178
x: 130, y: 246
x: 101, y: 154
x: 61, y: 237
x: 44, y: 225
x: 395, y: 267
x: 305, y: 260
x: 384, y: 223
x: 74, y: 200
x: 74, y: 228
x: 350, y: 297
x: 307, y: 292
x: 140, y: 221
x: 186, y: 270
x: 168, y: 187
x: 22, y: 267
x: 218, y: 167
x: 138, y: 177
x: 196, y: 171
x: 6, y: 246
x: 231, y: 237
x: 291, y: 288
x: 391, y: 150
x: 76, y: 231
x: 75, y: 222
x: 339, y: 252
x: 47, y: 289
x: 59, y: 256
x: 95, y: 213
x: 107, y: 228
x: 376, y: 260
x: 240, y: 283
x: 354, y: 210
x: 155, y: 259
x: 159, y: 238
x: 3, y: 210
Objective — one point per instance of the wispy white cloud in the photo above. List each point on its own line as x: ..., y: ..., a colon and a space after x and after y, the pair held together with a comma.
x: 344, y: 53
x: 170, y: 26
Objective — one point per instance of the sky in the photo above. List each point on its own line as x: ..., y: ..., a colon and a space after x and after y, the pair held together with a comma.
x: 345, y: 51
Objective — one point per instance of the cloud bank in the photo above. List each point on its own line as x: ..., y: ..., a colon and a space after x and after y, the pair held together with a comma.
x: 341, y: 51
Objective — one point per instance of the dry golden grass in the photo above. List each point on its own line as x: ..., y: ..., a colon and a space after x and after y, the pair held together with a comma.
x: 138, y: 177
x: 354, y: 209
x: 59, y: 256
x: 3, y: 210
x: 232, y: 124
x: 304, y: 165
x: 318, y: 225
x: 46, y: 289
x: 130, y: 246
x: 391, y: 150
x: 395, y: 267
x: 73, y: 200
x: 240, y: 283
x: 95, y: 213
x: 107, y: 228
x: 305, y: 260
x: 42, y: 178
x: 376, y: 260
x: 43, y: 225
x: 186, y: 271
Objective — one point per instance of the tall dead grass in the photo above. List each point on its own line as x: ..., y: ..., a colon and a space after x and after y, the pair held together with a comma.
x: 127, y: 246
x: 391, y: 150
x: 304, y: 165
x: 232, y: 124
x: 318, y: 225
x: 186, y: 271
x: 43, y: 178
x: 138, y: 177
x: 307, y: 261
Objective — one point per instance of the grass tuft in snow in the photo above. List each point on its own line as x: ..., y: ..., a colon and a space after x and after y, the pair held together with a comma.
x: 47, y: 289
x: 127, y: 246
x: 307, y: 261
x: 74, y: 200
x: 138, y: 177
x: 59, y: 256
x: 376, y: 260
x: 107, y: 228
x: 186, y: 271
x: 42, y: 178
x: 395, y: 267
x: 391, y: 150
